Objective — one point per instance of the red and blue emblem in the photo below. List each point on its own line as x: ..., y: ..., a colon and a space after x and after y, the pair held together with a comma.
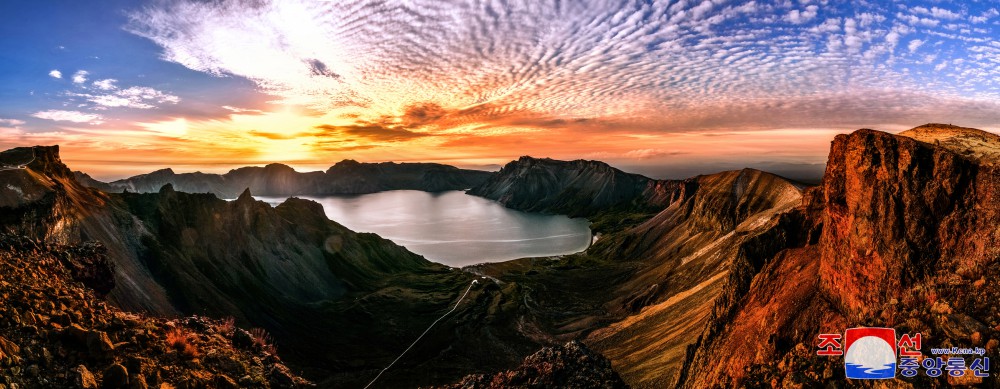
x: 870, y: 353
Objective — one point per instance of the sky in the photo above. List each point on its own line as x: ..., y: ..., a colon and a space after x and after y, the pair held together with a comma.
x: 665, y: 88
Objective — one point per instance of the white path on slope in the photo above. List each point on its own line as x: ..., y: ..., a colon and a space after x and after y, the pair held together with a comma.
x: 425, y: 333
x: 23, y: 165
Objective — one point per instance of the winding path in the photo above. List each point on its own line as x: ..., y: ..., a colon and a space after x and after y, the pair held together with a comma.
x: 425, y: 333
x: 21, y: 166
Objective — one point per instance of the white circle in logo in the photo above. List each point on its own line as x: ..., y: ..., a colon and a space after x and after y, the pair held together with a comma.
x: 871, y: 352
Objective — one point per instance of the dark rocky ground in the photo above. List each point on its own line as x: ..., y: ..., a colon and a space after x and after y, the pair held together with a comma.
x: 56, y: 332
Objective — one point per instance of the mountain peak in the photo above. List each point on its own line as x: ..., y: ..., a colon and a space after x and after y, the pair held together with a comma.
x: 972, y: 143
x: 245, y: 196
x: 277, y: 166
x: 43, y: 159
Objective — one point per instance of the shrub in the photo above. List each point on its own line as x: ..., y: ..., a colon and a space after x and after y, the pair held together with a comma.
x: 178, y: 340
x: 263, y: 341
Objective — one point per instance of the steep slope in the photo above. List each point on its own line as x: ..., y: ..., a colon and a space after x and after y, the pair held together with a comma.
x: 722, y: 224
x: 346, y: 177
x: 909, y: 241
x: 578, y: 188
x: 640, y: 296
x: 39, y: 196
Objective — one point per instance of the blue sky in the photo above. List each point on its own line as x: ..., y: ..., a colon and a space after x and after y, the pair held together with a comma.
x: 664, y: 87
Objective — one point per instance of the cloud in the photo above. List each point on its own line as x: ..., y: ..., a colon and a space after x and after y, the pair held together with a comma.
x: 985, y: 17
x: 106, y: 84
x: 11, y: 122
x: 649, y: 153
x: 371, y: 132
x: 80, y: 76
x: 55, y: 74
x: 937, y: 13
x: 798, y: 17
x: 914, y: 45
x: 68, y: 116
x: 241, y: 110
x: 133, y: 97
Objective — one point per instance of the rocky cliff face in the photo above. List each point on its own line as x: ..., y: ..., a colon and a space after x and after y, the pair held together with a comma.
x: 909, y: 241
x: 346, y: 177
x: 578, y: 188
x: 40, y: 198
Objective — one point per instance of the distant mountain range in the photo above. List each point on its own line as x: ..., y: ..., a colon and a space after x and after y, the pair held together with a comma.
x: 719, y: 280
x: 345, y: 177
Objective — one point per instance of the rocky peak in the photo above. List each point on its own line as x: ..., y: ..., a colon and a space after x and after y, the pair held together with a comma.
x: 42, y: 159
x: 278, y: 168
x: 895, y: 208
x: 347, y: 164
x: 246, y: 196
x: 979, y: 145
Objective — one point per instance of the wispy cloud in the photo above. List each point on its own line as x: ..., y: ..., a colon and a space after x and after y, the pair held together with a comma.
x: 68, y: 116
x: 106, y: 84
x: 11, y: 122
x: 241, y: 110
x: 80, y: 76
x: 106, y: 94
x: 371, y: 132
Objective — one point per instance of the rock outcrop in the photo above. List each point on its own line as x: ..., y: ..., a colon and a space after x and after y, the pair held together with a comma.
x: 345, y: 177
x: 908, y: 241
x: 571, y: 366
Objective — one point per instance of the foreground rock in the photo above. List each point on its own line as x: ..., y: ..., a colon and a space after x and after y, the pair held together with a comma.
x: 572, y: 365
x: 57, y: 333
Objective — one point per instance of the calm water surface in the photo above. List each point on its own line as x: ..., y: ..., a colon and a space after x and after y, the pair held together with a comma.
x: 454, y: 228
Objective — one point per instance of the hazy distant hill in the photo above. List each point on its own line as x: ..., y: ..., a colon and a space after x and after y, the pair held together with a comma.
x: 345, y: 177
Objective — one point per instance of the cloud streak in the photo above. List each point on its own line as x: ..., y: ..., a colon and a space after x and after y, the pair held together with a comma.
x: 68, y: 116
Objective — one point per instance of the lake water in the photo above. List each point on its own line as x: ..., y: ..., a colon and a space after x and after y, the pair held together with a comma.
x: 454, y: 228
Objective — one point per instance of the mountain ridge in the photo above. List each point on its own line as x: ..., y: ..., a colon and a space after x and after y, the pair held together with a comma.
x: 275, y: 179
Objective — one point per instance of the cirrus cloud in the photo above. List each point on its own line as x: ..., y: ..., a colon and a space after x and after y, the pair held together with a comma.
x: 68, y: 116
